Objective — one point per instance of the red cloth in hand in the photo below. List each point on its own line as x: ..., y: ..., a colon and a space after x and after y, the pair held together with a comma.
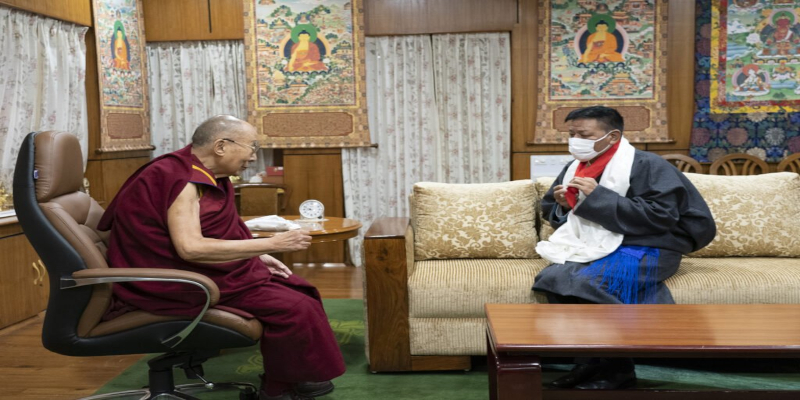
x: 593, y: 170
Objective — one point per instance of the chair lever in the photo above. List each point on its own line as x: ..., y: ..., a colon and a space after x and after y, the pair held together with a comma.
x: 196, y: 372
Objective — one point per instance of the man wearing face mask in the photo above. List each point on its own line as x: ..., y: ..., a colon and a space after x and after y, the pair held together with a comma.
x: 623, y: 219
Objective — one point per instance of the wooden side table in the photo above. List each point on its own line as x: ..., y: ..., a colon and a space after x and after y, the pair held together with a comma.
x: 331, y: 230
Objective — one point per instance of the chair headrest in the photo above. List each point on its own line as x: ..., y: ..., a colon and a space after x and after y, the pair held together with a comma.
x: 59, y: 163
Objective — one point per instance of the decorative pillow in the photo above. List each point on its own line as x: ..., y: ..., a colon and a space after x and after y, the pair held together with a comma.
x: 542, y: 186
x: 756, y: 215
x: 485, y: 220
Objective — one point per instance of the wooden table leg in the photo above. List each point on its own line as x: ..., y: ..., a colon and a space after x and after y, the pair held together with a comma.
x: 513, y: 377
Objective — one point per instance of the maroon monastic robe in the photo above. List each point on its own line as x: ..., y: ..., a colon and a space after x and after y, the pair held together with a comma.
x: 298, y: 344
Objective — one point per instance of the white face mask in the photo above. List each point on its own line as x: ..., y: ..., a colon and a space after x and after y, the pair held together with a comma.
x: 583, y: 149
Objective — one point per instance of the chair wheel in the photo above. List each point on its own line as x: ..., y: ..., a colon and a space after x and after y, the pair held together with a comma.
x: 248, y: 393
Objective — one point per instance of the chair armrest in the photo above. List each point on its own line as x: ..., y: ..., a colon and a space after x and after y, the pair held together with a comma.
x: 95, y: 276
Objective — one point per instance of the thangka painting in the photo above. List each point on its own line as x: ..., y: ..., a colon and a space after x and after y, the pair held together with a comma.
x: 119, y: 35
x: 603, y: 52
x: 755, y: 56
x: 306, y: 78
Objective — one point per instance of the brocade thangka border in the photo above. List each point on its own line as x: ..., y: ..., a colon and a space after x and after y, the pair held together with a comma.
x: 611, y: 53
x: 306, y: 73
x: 755, y: 50
x: 122, y: 76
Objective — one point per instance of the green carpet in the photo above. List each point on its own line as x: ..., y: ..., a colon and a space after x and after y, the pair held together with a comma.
x: 347, y: 320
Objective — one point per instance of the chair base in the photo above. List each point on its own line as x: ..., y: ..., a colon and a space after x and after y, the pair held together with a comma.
x: 246, y: 392
x: 161, y: 383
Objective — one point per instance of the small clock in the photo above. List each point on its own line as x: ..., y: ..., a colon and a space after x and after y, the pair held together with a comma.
x: 312, y: 210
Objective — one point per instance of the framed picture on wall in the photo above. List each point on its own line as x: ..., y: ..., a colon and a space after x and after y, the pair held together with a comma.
x: 122, y: 75
x: 755, y: 54
x: 306, y: 78
x: 611, y: 53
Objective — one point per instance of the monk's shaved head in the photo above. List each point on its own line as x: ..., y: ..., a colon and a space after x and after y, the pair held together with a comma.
x: 216, y: 127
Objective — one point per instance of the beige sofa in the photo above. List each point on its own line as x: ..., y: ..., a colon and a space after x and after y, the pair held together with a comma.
x: 428, y: 277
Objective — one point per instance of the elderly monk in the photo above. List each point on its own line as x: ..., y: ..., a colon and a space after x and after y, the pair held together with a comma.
x: 623, y: 219
x: 178, y: 212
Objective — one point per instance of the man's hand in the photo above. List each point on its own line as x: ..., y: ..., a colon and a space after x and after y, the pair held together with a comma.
x: 585, y: 185
x: 291, y: 241
x: 560, y: 193
x: 274, y: 266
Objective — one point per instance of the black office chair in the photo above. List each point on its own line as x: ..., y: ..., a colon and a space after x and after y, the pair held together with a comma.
x: 60, y: 221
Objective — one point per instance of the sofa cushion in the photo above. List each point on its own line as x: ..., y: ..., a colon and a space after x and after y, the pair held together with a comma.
x: 487, y: 220
x: 736, y: 280
x: 756, y: 216
x: 459, y: 288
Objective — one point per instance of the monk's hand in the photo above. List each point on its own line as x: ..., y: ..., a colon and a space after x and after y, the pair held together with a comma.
x: 585, y: 185
x: 294, y: 240
x: 274, y: 266
x: 560, y: 193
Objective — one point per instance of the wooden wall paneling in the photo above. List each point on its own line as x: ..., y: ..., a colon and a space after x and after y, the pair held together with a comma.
x: 92, y: 95
x: 94, y: 174
x: 24, y: 288
x: 387, y: 17
x: 680, y: 75
x: 175, y: 20
x: 180, y: 20
x: 106, y: 177
x: 117, y: 171
x: 315, y: 174
x: 414, y: 17
x: 520, y: 166
x: 450, y: 16
x: 227, y: 20
x: 76, y: 11
x: 524, y: 49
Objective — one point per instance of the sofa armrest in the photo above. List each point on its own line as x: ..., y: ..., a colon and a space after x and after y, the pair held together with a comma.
x: 96, y: 276
x: 387, y: 266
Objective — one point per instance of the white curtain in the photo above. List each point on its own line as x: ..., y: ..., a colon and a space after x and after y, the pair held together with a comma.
x: 439, y: 110
x: 191, y: 82
x: 42, y: 82
x: 473, y: 95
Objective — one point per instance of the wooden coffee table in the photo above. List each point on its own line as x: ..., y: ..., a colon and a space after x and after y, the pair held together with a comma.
x: 519, y: 334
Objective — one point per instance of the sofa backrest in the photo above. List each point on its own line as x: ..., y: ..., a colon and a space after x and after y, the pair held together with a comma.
x: 756, y: 216
x: 486, y: 220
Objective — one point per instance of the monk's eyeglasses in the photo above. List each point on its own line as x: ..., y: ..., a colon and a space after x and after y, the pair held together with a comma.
x: 253, y: 147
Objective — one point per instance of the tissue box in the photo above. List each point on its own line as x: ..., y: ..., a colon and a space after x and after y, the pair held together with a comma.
x: 273, y: 175
x: 274, y: 171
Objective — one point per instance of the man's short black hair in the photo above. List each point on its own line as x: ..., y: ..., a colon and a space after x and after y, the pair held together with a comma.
x: 609, y: 117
